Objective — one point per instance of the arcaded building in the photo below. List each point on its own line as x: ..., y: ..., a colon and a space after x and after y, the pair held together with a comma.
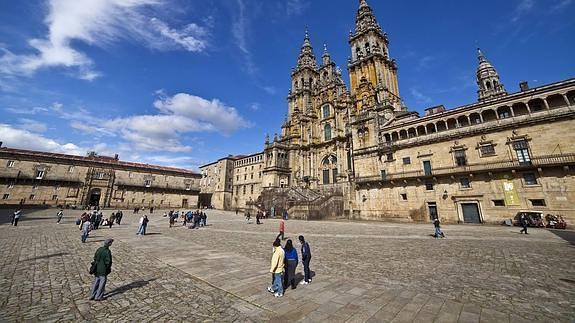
x: 41, y: 178
x: 362, y: 147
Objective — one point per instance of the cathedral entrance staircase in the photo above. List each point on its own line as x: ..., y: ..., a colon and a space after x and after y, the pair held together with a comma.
x: 303, y: 203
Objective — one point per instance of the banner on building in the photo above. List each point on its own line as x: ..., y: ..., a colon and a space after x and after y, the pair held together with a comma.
x: 511, y: 196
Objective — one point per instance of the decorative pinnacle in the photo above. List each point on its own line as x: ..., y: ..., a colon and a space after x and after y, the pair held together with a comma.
x: 480, y: 55
x: 363, y: 3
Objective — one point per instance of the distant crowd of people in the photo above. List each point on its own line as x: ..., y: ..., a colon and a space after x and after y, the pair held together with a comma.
x: 196, y: 219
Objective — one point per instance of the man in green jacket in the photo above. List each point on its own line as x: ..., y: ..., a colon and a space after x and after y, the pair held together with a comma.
x: 103, y: 260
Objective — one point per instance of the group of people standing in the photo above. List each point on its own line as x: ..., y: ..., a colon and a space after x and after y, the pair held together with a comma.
x: 92, y: 221
x: 284, y: 264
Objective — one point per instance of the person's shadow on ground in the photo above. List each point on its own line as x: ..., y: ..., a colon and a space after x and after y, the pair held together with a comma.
x: 127, y: 287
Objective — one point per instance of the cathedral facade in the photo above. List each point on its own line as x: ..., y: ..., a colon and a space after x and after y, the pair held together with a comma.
x: 482, y: 162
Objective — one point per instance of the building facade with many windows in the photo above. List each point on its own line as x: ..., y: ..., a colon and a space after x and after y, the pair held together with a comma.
x: 40, y: 178
x: 482, y: 162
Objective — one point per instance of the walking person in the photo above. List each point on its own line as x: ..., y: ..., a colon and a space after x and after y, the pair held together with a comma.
x: 16, y: 217
x: 258, y: 218
x: 60, y: 214
x: 103, y: 261
x: 141, y: 226
x: 145, y: 224
x: 277, y: 269
x: 282, y: 229
x: 291, y: 261
x: 523, y: 221
x: 86, y: 227
x: 305, y: 258
x: 437, y: 225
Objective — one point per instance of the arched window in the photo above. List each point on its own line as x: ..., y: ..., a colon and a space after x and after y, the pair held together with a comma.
x: 367, y: 48
x: 495, y: 83
x: 325, y: 76
x: 488, y: 85
x: 326, y: 112
x: 327, y: 132
x: 329, y: 167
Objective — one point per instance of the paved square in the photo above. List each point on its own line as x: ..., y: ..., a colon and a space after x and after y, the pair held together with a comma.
x: 373, y: 272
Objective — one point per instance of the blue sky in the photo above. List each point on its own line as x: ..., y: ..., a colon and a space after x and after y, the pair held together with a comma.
x: 183, y: 83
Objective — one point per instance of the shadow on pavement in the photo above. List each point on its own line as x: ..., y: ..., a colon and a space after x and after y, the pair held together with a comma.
x: 566, y: 235
x: 127, y: 287
x: 46, y: 256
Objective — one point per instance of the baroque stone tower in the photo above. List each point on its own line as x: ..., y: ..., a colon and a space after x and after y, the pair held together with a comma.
x: 370, y: 62
x: 488, y: 80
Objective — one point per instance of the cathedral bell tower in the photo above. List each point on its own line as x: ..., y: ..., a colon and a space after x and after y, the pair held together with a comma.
x: 488, y: 80
x: 370, y: 62
x: 304, y: 77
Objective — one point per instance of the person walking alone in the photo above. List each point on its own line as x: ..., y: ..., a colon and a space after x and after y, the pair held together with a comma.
x: 291, y: 264
x: 86, y: 227
x: 60, y: 214
x: 277, y: 268
x: 523, y: 221
x: 103, y: 261
x: 16, y: 217
x: 282, y: 229
x: 305, y: 258
x: 437, y: 225
x: 141, y: 229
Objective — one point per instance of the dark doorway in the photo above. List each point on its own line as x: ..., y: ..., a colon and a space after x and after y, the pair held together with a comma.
x: 94, y: 199
x: 432, y: 210
x: 205, y: 200
x: 470, y: 213
x: 184, y: 203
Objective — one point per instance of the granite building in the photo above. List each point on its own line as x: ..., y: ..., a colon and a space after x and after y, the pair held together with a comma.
x: 41, y: 178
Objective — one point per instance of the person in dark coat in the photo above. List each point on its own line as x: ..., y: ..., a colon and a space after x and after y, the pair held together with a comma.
x: 305, y: 258
x: 523, y: 221
x: 103, y: 260
x: 291, y: 262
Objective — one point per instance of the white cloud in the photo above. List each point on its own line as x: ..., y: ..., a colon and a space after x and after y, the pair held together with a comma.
x: 522, y: 8
x: 32, y: 111
x: 240, y: 34
x: 98, y: 23
x: 23, y: 139
x: 32, y: 125
x: 296, y: 7
x: 420, y: 97
x: 207, y: 115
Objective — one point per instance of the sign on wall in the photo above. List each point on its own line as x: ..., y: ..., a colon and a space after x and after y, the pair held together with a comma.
x: 511, y: 196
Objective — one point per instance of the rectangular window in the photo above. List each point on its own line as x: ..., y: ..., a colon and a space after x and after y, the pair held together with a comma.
x: 427, y: 167
x: 498, y: 202
x: 383, y: 174
x: 538, y: 202
x: 460, y: 159
x: 5, y: 196
x: 403, y: 196
x: 99, y: 175
x: 10, y: 163
x: 32, y: 196
x: 521, y: 148
x: 464, y: 182
x: 244, y: 190
x: 334, y: 177
x: 389, y: 157
x: 252, y: 176
x: 39, y: 174
x: 428, y: 185
x: 487, y: 150
x: 406, y: 160
x: 530, y: 179
x: 252, y: 189
x: 245, y: 176
x: 54, y: 197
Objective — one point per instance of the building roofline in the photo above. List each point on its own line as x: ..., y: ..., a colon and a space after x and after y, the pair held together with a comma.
x: 102, y: 160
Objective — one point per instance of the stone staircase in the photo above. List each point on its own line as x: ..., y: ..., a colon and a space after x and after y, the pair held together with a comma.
x: 303, y: 203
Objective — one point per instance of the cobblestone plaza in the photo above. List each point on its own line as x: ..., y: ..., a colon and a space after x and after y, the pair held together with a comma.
x: 364, y: 271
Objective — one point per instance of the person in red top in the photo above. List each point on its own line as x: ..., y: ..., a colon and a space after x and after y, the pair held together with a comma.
x: 282, y: 230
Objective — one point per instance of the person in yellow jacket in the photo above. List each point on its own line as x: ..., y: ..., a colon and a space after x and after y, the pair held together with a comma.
x: 277, y: 269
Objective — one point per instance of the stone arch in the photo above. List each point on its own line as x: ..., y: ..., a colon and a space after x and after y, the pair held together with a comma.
x: 451, y: 123
x: 488, y: 115
x: 537, y: 105
x: 520, y: 109
x: 504, y: 112
x: 463, y: 121
x: 411, y: 133
x: 387, y: 137
x: 421, y: 131
x: 556, y: 101
x: 441, y: 126
x: 571, y: 97
x: 475, y: 118
x: 394, y: 136
x: 430, y: 127
x: 329, y: 169
x: 402, y: 134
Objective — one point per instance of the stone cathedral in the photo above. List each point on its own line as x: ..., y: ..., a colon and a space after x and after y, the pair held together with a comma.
x: 359, y: 153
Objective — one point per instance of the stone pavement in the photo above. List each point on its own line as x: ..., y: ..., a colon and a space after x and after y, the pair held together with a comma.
x: 375, y: 272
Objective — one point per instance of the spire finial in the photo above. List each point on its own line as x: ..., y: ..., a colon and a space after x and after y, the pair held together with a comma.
x: 363, y: 3
x: 480, y: 55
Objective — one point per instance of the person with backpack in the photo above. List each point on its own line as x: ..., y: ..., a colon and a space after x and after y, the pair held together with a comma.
x: 101, y: 268
x: 291, y: 262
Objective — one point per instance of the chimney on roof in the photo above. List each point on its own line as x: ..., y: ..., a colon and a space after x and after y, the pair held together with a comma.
x: 116, y: 157
x: 434, y: 110
x: 524, y: 86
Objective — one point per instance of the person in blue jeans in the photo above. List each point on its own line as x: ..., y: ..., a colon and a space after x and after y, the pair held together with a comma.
x: 305, y: 258
x: 277, y: 269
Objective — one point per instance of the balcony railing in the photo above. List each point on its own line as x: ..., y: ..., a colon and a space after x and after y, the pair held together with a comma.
x: 539, y: 161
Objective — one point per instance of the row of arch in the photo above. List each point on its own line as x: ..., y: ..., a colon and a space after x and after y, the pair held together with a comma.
x: 535, y: 105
